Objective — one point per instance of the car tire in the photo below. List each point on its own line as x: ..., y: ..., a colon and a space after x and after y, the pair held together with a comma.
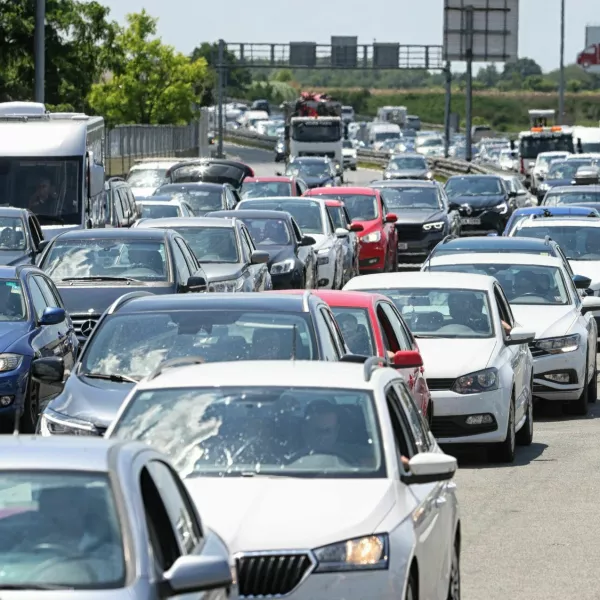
x: 411, y: 589
x: 31, y: 410
x: 454, y: 583
x: 525, y: 434
x: 593, y: 387
x: 504, y: 452
x: 353, y: 168
x: 580, y: 406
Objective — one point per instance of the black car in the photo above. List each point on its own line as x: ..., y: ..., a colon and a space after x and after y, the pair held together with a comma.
x: 408, y: 166
x: 424, y: 216
x: 292, y: 260
x: 226, y: 251
x: 140, y: 331
x: 120, y: 209
x: 91, y: 268
x: 315, y: 171
x: 21, y: 237
x: 202, y: 197
x: 483, y: 202
x: 210, y: 170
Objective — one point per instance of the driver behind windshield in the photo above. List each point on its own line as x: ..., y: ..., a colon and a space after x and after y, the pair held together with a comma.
x: 466, y: 309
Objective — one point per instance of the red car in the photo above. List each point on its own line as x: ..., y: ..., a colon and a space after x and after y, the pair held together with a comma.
x: 372, y: 326
x: 379, y: 238
x: 265, y: 187
x: 590, y: 57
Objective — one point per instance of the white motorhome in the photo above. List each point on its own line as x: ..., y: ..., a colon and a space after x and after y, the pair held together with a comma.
x: 381, y: 132
x: 589, y: 136
x: 53, y: 164
x: 393, y: 114
x: 317, y: 136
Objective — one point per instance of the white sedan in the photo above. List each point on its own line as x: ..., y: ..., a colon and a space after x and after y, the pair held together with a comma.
x: 322, y: 477
x: 480, y: 378
x: 314, y: 220
x: 542, y: 294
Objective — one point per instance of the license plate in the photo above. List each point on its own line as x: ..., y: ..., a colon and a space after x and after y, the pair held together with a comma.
x: 471, y: 221
x: 402, y: 246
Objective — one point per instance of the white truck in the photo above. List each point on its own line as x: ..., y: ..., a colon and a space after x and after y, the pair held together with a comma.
x: 380, y: 132
x: 393, y: 114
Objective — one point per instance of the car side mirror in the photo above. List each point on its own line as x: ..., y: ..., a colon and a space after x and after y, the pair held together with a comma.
x: 196, y: 283
x: 512, y: 194
x: 407, y: 359
x: 453, y: 205
x: 195, y: 573
x: 581, y: 282
x: 390, y: 218
x: 279, y: 173
x: 50, y: 369
x: 341, y: 233
x: 356, y: 227
x: 42, y: 245
x: 429, y: 467
x: 308, y: 240
x: 519, y: 336
x: 53, y: 315
x: 259, y: 257
x: 589, y: 304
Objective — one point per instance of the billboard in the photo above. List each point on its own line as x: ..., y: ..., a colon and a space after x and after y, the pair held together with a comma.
x: 489, y: 27
x: 592, y: 35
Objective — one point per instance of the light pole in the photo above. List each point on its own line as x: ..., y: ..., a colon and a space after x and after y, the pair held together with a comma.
x: 561, y: 89
x: 40, y: 48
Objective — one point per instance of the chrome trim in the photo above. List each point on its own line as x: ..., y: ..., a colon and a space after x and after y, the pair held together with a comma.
x: 305, y: 297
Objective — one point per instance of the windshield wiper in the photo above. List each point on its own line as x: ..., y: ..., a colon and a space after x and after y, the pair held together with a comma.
x: 35, y: 586
x: 101, y: 278
x: 111, y: 377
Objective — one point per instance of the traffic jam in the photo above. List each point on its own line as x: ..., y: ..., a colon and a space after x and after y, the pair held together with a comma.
x: 230, y: 385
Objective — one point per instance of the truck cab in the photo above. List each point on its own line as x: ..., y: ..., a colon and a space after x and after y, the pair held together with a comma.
x: 590, y: 57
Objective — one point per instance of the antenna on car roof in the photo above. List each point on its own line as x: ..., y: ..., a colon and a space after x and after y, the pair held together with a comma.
x: 294, y: 336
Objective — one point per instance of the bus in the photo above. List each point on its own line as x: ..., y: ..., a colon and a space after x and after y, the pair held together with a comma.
x: 53, y: 164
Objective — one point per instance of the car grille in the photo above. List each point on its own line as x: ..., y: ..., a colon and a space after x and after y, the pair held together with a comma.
x: 84, y: 324
x: 264, y: 575
x: 475, y: 212
x: 409, y: 233
x: 535, y: 351
x: 438, y: 385
x: 453, y: 427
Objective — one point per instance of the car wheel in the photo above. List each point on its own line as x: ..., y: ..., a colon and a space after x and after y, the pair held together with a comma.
x: 454, y: 583
x: 580, y: 406
x: 411, y: 589
x: 593, y: 387
x: 31, y: 410
x: 504, y: 452
x: 525, y: 434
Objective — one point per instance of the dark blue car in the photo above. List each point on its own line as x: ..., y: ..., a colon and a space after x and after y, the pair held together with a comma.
x: 555, y: 211
x: 36, y: 336
x: 21, y: 237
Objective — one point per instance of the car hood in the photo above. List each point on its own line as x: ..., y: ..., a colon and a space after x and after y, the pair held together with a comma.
x: 408, y: 173
x: 587, y: 268
x: 558, y: 182
x: 450, y: 358
x: 546, y: 321
x: 414, y: 216
x: 276, y: 253
x: 143, y: 192
x: 93, y: 400
x: 314, y: 182
x: 478, y: 201
x: 15, y: 257
x: 288, y: 513
x: 11, y: 331
x: 222, y: 271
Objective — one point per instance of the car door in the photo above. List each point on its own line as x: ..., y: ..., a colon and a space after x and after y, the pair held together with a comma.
x: 331, y: 336
x: 36, y: 237
x: 391, y: 235
x: 117, y: 210
x: 306, y: 254
x: 182, y: 270
x: 355, y: 241
x: 229, y: 198
x: 255, y: 274
x: 302, y: 187
x: 338, y: 244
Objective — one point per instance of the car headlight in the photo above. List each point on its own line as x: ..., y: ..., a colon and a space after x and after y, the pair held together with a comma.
x: 429, y: 175
x: 359, y: 554
x: 285, y: 266
x: 228, y: 286
x: 53, y: 423
x: 372, y: 238
x: 436, y: 225
x: 10, y: 362
x: 501, y: 208
x: 559, y: 345
x: 480, y: 381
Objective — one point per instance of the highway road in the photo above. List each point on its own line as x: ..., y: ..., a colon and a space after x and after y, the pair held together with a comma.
x: 529, y: 529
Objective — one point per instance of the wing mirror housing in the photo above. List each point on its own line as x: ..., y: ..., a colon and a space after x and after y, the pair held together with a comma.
x: 340, y: 232
x: 407, y: 359
x: 582, y: 282
x: 430, y: 467
x: 53, y: 316
x: 590, y: 304
x: 390, y: 218
x: 50, y: 369
x: 195, y: 573
x: 520, y: 336
x: 308, y: 240
x: 356, y: 227
x: 196, y: 283
x: 259, y: 257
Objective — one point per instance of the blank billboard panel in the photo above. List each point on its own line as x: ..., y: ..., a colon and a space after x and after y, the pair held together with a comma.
x: 303, y: 54
x: 344, y: 52
x: 386, y: 56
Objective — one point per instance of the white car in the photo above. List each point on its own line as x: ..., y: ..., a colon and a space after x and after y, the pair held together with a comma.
x: 480, y: 378
x: 541, y: 165
x: 314, y: 219
x: 349, y: 155
x: 301, y: 468
x: 148, y: 175
x: 163, y: 207
x: 543, y: 296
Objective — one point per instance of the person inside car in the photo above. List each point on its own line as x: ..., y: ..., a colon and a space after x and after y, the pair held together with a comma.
x: 356, y: 337
x: 43, y: 199
x: 466, y: 309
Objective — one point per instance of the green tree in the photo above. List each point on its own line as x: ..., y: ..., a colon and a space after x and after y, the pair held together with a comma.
x: 520, y: 69
x: 285, y: 76
x: 79, y: 47
x: 153, y: 83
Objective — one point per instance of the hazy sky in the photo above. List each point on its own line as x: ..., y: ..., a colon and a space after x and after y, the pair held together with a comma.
x: 186, y: 23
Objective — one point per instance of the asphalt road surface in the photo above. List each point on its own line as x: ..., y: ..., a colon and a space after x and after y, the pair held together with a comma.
x: 530, y: 530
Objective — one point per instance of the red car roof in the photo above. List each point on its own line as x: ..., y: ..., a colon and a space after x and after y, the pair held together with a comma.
x: 334, y: 203
x: 274, y: 179
x: 346, y: 191
x: 341, y: 298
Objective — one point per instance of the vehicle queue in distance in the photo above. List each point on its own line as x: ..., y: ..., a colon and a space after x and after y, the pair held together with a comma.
x: 129, y: 332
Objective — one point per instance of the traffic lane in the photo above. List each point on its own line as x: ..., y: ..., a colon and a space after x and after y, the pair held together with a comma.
x: 528, y: 529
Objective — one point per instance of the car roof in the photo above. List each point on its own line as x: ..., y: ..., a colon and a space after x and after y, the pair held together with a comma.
x: 247, y: 301
x: 331, y: 202
x: 344, y: 298
x: 270, y: 179
x: 9, y: 272
x: 421, y: 279
x: 154, y: 164
x: 169, y: 222
x: 574, y: 189
x: 515, y: 258
x: 117, y: 233
x: 565, y: 209
x: 192, y: 184
x: 284, y: 199
x: 403, y: 183
x: 496, y: 242
x: 314, y: 159
x: 474, y: 175
x: 13, y: 211
x: 250, y: 214
x: 583, y: 222
x: 284, y: 373
x: 346, y: 191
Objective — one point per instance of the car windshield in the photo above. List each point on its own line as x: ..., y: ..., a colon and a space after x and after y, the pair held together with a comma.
x: 530, y: 146
x: 430, y: 142
x: 107, y: 258
x: 312, y: 169
x: 356, y: 329
x: 306, y: 213
x: 473, y: 186
x: 407, y: 163
x: 268, y: 431
x: 200, y: 200
x: 574, y: 197
x: 12, y: 234
x: 314, y: 130
x: 360, y: 207
x: 410, y: 197
x: 544, y: 161
x: 522, y: 284
x: 146, y: 178
x: 269, y: 231
x: 566, y: 169
x: 133, y: 345
x: 347, y: 144
x: 12, y: 303
x: 211, y: 244
x: 578, y: 243
x: 515, y: 222
x: 443, y: 313
x: 154, y: 210
x: 60, y: 528
x: 265, y: 189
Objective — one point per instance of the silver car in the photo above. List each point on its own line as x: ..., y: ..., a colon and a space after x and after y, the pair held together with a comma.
x: 83, y: 516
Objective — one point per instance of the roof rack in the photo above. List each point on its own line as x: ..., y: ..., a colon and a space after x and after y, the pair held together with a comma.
x: 126, y: 298
x: 174, y: 363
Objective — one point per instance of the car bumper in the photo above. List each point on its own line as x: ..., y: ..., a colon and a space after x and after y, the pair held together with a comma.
x: 286, y: 281
x: 573, y: 363
x: 326, y: 274
x: 451, y: 410
x: 489, y: 221
x: 414, y: 252
x: 14, y: 385
x: 371, y: 258
x: 350, y: 162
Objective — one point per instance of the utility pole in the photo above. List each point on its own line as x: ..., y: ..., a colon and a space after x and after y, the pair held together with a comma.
x: 561, y: 90
x: 40, y: 48
x: 469, y: 91
x: 447, y: 108
x: 221, y: 85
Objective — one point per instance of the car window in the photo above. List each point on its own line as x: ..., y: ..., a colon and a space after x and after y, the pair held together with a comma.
x: 297, y: 231
x: 248, y: 239
x: 331, y: 338
x: 403, y: 436
x: 390, y: 341
x: 190, y: 259
x: 338, y: 338
x: 181, y: 264
x: 246, y: 247
x: 399, y: 331
x: 49, y: 294
x: 355, y: 326
x: 37, y: 298
x: 36, y: 234
x: 506, y: 313
x: 12, y: 302
x: 414, y: 417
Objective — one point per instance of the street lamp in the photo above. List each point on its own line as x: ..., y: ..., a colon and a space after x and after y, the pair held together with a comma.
x: 40, y: 48
x: 561, y: 89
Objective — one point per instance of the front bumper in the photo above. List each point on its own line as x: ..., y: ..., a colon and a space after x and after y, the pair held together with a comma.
x: 14, y: 385
x: 286, y: 281
x: 451, y: 411
x: 372, y: 257
x: 414, y: 246
x: 488, y: 221
x: 570, y: 362
x: 326, y: 274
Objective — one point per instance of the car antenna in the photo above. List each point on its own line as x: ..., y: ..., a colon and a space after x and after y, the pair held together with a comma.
x: 294, y: 334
